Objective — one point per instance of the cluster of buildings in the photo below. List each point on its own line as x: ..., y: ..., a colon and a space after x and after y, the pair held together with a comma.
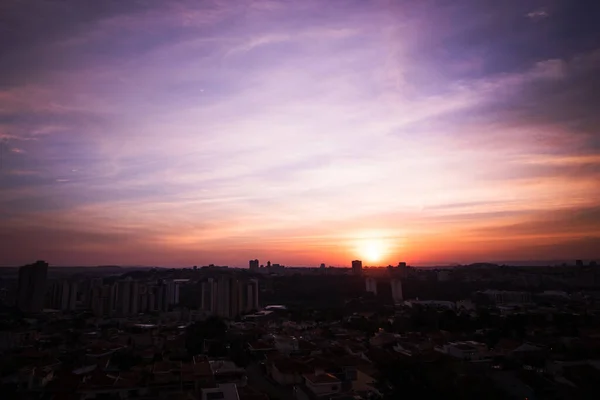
x: 229, y: 296
x: 120, y: 298
x: 254, y: 266
x: 395, y: 332
x: 130, y: 297
x: 376, y: 282
x: 226, y: 295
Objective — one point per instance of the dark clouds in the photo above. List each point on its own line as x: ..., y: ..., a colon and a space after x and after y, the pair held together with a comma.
x: 570, y: 100
x: 450, y: 40
x: 568, y: 222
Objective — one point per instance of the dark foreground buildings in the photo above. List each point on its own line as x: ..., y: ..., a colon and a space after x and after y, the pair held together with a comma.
x: 32, y: 287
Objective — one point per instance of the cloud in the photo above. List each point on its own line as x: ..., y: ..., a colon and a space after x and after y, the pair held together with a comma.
x: 538, y: 14
x: 558, y: 223
x: 550, y: 69
x: 234, y: 124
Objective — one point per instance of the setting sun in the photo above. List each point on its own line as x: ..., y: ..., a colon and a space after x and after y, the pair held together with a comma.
x: 372, y: 250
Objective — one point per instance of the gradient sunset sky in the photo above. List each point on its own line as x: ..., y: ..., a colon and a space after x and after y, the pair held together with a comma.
x: 179, y: 133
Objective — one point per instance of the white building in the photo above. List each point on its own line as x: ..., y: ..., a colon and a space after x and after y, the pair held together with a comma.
x: 371, y: 284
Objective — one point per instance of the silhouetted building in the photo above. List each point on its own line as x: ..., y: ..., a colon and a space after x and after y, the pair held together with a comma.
x: 252, y: 290
x: 276, y: 269
x: 63, y: 295
x: 371, y: 284
x: 254, y: 265
x: 103, y: 299
x: 209, y: 295
x: 402, y: 270
x: 227, y: 297
x: 397, y: 296
x: 128, y: 297
x: 167, y: 294
x: 32, y: 287
x: 230, y: 296
x: 357, y: 267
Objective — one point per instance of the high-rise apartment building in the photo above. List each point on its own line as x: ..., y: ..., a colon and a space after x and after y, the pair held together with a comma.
x: 225, y: 306
x: 253, y: 265
x: 397, y: 291
x: 166, y: 294
x: 63, y: 295
x: 32, y: 287
x: 371, y: 284
x: 209, y: 296
x: 104, y: 300
x: 402, y: 270
x: 127, y: 300
x: 229, y: 296
x: 252, y: 295
x: 123, y: 297
x: 357, y: 267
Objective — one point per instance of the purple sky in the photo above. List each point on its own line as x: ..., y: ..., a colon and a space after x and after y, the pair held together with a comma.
x: 192, y: 132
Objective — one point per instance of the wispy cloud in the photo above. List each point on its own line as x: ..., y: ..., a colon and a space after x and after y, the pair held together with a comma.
x: 538, y: 14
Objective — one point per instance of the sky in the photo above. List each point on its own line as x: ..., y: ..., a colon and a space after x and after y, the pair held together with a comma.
x: 180, y: 133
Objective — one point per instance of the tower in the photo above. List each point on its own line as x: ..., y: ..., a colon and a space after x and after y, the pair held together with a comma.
x: 371, y: 284
x: 63, y: 295
x: 253, y: 265
x: 397, y: 291
x: 357, y: 267
x: 32, y: 287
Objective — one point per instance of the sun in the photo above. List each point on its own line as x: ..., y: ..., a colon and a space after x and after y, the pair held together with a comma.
x: 372, y: 250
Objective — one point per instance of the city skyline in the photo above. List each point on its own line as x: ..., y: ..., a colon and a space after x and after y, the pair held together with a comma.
x: 184, y: 133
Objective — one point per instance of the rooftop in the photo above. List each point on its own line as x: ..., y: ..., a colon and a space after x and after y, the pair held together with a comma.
x: 321, y: 378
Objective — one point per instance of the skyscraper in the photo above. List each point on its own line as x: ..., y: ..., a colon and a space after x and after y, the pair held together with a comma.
x: 63, y: 295
x: 209, y: 295
x: 397, y: 291
x: 357, y: 267
x: 224, y: 292
x: 104, y: 299
x: 251, y: 298
x: 123, y: 297
x: 229, y: 296
x: 371, y: 284
x: 32, y: 287
x: 254, y: 265
x: 402, y: 270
